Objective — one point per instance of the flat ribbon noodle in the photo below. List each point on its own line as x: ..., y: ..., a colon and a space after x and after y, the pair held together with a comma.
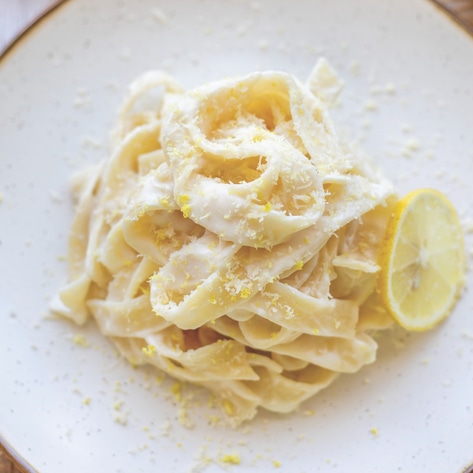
x: 241, y: 173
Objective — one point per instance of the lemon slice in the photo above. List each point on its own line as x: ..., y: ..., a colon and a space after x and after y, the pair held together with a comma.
x: 422, y: 260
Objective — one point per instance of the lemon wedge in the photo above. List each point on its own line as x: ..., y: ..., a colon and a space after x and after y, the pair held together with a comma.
x: 422, y: 260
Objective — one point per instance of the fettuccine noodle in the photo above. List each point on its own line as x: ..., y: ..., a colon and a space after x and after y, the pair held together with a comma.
x: 231, y: 239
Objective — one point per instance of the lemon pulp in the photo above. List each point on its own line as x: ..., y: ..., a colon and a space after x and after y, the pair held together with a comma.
x: 422, y: 260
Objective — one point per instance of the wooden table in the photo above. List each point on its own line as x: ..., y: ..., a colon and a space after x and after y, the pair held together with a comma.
x: 16, y: 15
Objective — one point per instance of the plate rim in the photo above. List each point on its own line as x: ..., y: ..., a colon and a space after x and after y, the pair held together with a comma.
x: 454, y: 17
x: 20, y: 464
x: 13, y: 42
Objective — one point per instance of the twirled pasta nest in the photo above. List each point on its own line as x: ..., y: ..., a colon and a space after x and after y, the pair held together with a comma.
x: 231, y: 239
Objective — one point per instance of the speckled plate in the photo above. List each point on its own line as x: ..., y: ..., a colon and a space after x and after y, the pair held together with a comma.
x: 67, y: 402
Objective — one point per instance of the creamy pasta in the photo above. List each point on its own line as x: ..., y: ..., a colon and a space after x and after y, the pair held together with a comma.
x: 231, y: 239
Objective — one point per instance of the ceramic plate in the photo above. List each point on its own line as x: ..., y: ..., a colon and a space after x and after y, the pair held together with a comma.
x: 67, y: 402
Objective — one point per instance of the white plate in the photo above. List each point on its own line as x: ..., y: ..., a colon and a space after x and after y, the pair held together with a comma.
x: 408, y: 99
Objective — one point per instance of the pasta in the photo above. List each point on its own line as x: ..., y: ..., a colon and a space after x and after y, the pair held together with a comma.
x: 231, y: 239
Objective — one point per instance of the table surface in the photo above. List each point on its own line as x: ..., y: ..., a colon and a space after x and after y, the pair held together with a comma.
x: 16, y: 15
